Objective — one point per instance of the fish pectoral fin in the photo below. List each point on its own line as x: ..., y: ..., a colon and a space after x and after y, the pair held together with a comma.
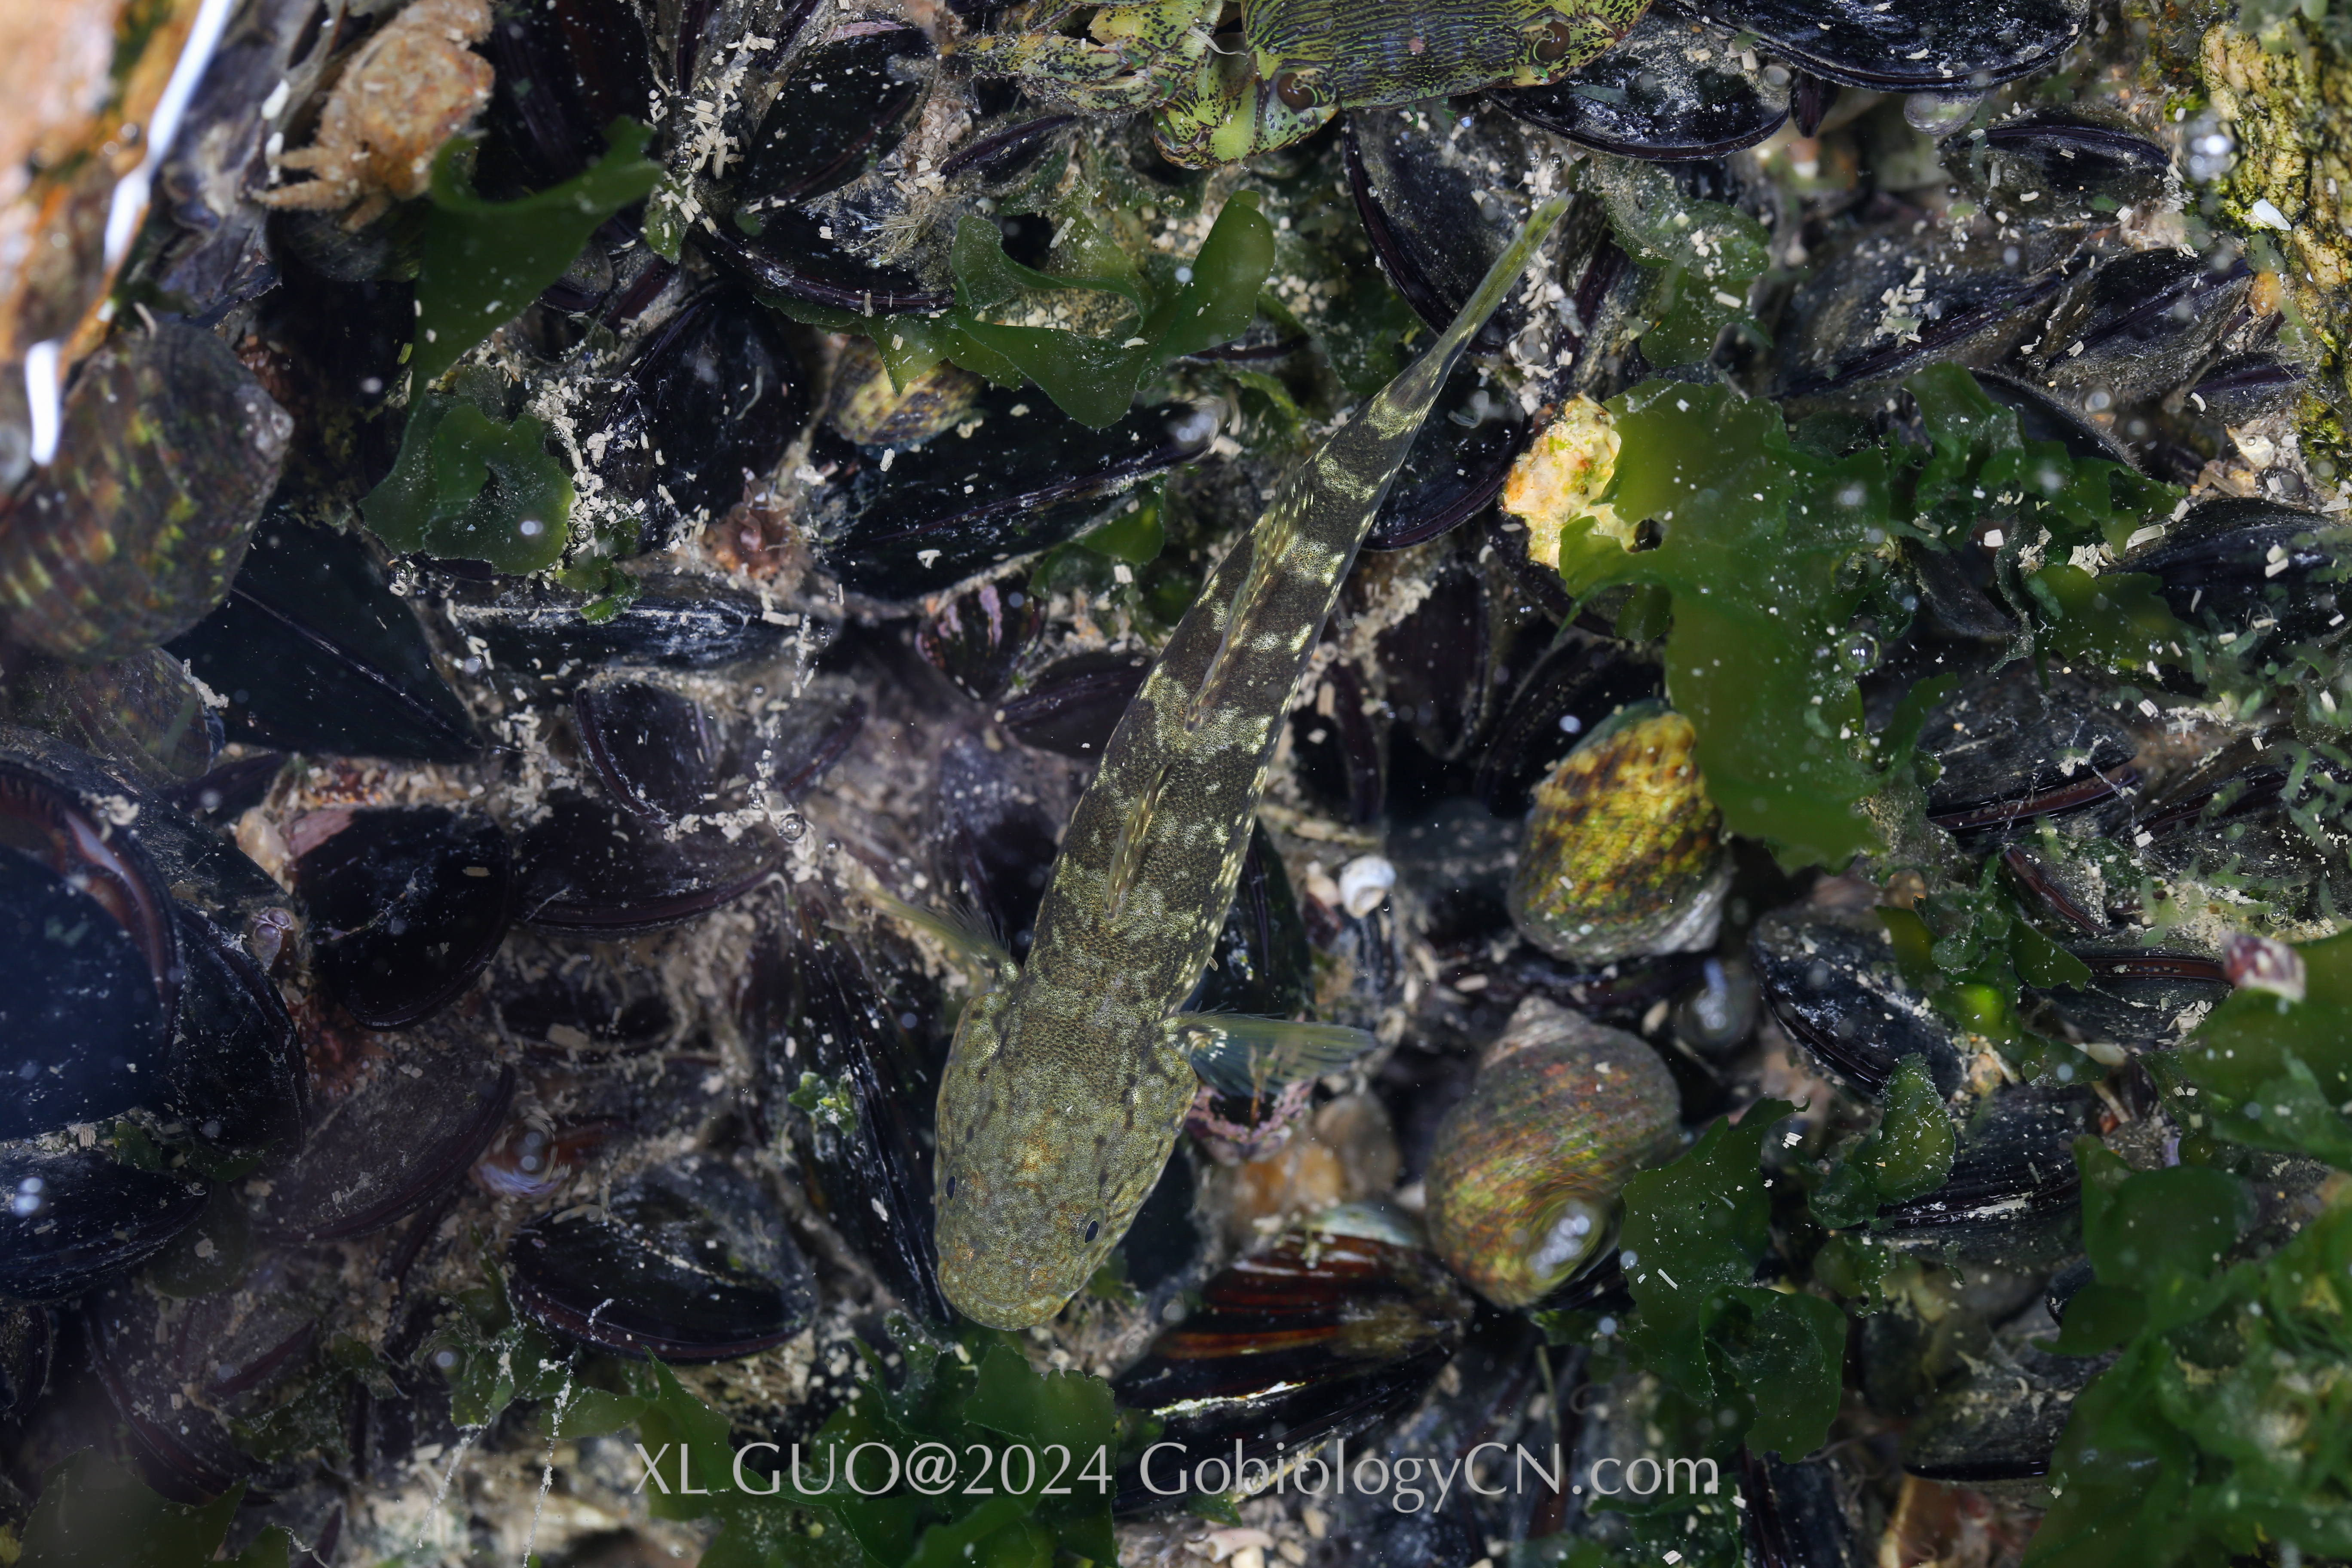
x: 1238, y: 1055
x: 969, y: 949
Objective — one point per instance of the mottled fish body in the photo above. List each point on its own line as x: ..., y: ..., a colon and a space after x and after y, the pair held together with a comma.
x: 1067, y: 1086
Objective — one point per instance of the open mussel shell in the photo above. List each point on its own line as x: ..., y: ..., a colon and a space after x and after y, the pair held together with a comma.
x: 1832, y: 983
x: 408, y: 905
x: 1525, y: 1173
x: 2236, y: 563
x: 2014, y: 753
x: 555, y: 1000
x: 315, y: 652
x: 564, y: 73
x: 1907, y: 48
x: 1623, y: 852
x: 707, y: 406
x: 1656, y: 97
x: 810, y: 1005
x: 595, y: 869
x: 70, y: 1219
x: 1438, y: 664
x: 1263, y: 965
x: 168, y: 449
x: 953, y: 508
x: 689, y: 1262
x: 410, y: 1127
x: 1320, y: 1335
x: 536, y: 633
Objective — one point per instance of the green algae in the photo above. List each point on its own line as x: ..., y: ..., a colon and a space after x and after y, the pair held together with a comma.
x: 469, y: 485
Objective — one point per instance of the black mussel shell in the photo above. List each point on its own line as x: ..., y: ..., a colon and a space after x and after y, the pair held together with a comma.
x: 1999, y: 1421
x: 1578, y: 682
x: 1832, y: 983
x: 537, y: 636
x: 1263, y: 965
x: 708, y: 406
x: 564, y: 73
x: 172, y: 1371
x: 1457, y: 464
x: 594, y: 869
x: 2014, y: 752
x: 845, y: 104
x: 1797, y: 1515
x: 1007, y: 153
x: 2051, y: 150
x: 656, y: 750
x: 812, y: 1005
x: 1654, y: 96
x: 1339, y: 751
x: 388, y: 1147
x: 316, y: 653
x: 407, y: 904
x: 237, y: 1077
x: 2235, y: 563
x: 1075, y: 703
x: 1967, y: 309
x: 1436, y: 663
x: 1316, y: 1337
x: 802, y: 743
x: 691, y: 1262
x: 1428, y: 213
x: 794, y: 254
x: 561, y: 1004
x: 68, y: 1220
x: 2014, y: 1185
x: 90, y: 961
x: 27, y: 1342
x: 996, y: 837
x: 2139, y: 996
x: 976, y: 638
x: 1907, y: 48
x: 2245, y: 387
x: 2138, y: 327
x: 951, y: 509
x: 2042, y: 418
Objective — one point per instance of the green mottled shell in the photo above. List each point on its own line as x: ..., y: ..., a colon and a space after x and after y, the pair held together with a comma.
x: 1524, y: 1178
x: 144, y: 714
x: 168, y: 449
x: 1623, y: 853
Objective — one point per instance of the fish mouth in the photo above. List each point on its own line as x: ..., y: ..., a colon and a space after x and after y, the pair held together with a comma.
x: 1000, y: 1303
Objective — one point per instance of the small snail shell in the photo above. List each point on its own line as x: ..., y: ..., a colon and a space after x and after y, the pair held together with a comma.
x: 1524, y: 1177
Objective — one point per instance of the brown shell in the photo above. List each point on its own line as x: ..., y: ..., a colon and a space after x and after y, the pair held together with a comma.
x: 1624, y: 852
x: 1524, y: 1178
x: 169, y: 449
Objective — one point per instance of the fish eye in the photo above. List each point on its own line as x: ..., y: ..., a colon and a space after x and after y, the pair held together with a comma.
x: 950, y: 1191
x: 1092, y: 1226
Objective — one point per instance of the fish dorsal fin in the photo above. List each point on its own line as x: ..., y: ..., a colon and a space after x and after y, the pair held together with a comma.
x: 1127, y: 860
x: 1235, y: 1054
